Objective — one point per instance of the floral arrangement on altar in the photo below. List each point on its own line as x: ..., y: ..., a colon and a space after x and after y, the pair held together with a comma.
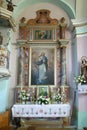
x: 80, y: 79
x: 62, y: 94
x: 25, y: 95
x: 58, y: 97
x: 43, y: 100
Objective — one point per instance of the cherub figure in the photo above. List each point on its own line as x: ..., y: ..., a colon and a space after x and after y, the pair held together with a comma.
x: 22, y: 20
x: 10, y: 5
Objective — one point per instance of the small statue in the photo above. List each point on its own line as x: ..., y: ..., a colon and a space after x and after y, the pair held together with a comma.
x: 1, y: 39
x: 10, y: 5
x: 22, y: 20
x: 84, y: 67
x: 62, y: 28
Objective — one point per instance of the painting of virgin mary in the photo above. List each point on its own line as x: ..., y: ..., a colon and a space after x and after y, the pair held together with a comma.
x: 42, y: 66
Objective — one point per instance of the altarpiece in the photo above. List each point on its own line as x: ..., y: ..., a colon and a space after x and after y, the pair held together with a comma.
x: 41, y: 48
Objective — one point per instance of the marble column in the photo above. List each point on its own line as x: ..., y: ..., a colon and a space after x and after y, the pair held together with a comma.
x: 63, y: 75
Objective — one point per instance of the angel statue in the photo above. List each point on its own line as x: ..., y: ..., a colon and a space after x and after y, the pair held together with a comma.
x: 10, y: 5
x: 84, y: 67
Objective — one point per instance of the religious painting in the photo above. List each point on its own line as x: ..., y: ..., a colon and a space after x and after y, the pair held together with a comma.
x: 42, y: 66
x: 43, y: 34
x: 43, y: 91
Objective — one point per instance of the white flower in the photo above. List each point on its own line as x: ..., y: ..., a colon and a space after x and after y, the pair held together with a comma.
x: 58, y: 97
x: 43, y: 99
x: 28, y: 94
x: 24, y: 95
x: 80, y: 79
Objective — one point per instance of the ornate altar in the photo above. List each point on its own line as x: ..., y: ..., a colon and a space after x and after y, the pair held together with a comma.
x: 41, y: 48
x: 49, y: 112
x: 41, y: 77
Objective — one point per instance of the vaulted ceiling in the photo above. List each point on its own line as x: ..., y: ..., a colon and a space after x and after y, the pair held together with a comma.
x: 67, y: 5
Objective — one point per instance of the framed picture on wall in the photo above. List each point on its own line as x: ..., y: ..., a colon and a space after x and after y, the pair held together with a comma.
x: 43, y: 91
x: 43, y: 34
x: 42, y: 65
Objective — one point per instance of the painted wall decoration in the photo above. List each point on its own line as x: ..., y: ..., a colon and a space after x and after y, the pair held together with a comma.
x: 42, y: 66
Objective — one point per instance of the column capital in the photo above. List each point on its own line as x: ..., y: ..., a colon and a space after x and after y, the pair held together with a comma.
x: 63, y: 42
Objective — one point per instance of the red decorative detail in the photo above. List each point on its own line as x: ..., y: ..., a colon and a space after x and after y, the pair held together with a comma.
x: 41, y: 111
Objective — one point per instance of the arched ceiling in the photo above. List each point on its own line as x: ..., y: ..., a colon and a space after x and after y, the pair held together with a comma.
x: 64, y: 4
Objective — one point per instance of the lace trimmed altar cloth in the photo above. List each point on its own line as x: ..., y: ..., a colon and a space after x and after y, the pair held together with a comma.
x: 36, y: 110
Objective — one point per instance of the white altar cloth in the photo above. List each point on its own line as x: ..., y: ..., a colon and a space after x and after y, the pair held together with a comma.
x: 82, y: 89
x: 36, y: 110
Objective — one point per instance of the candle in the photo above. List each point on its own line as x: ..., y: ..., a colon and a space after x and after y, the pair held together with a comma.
x: 63, y: 88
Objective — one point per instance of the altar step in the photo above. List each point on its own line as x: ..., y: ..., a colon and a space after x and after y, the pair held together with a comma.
x: 46, y: 128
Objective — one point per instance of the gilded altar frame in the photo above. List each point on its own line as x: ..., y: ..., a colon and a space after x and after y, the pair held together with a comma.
x: 39, y: 35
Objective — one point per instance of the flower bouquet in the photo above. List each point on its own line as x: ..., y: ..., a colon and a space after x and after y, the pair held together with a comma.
x: 58, y: 97
x: 43, y: 100
x: 80, y: 79
x: 24, y: 95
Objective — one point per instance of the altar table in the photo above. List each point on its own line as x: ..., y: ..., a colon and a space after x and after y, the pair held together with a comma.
x: 36, y: 110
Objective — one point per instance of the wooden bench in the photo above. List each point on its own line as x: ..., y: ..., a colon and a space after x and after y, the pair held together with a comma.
x: 5, y: 118
x: 6, y: 128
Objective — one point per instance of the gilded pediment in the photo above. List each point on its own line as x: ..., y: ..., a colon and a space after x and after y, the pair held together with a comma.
x: 42, y: 18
